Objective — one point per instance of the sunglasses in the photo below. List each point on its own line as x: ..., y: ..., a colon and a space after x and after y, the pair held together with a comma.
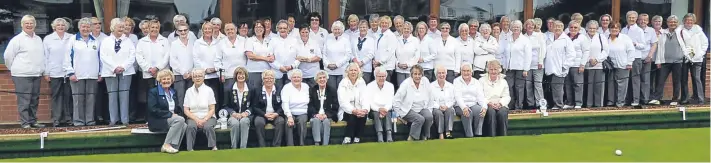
x: 182, y: 30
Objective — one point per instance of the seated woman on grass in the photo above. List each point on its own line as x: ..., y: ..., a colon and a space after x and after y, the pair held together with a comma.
x: 163, y: 114
x: 200, y: 109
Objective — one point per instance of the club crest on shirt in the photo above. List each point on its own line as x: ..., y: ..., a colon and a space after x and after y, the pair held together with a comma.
x: 321, y: 35
x: 278, y: 99
x: 312, y: 51
x: 94, y: 47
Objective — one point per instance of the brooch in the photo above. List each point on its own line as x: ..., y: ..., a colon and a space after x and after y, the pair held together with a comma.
x: 94, y: 47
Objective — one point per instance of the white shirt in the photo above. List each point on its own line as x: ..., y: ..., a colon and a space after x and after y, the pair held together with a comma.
x: 466, y: 50
x: 231, y: 56
x: 637, y: 37
x: 538, y: 48
x: 516, y: 54
x: 408, y: 97
x: 350, y: 96
x: 55, y: 50
x: 309, y: 50
x: 171, y: 102
x: 295, y: 101
x: 259, y: 48
x: 443, y: 96
x: 622, y: 52
x: 351, y: 33
x: 385, y: 45
x: 295, y: 33
x: 318, y: 36
x: 152, y: 54
x: 605, y: 34
x: 469, y: 94
x: 366, y: 53
x: 407, y: 52
x: 134, y: 39
x: 285, y: 54
x: 379, y: 97
x: 110, y: 59
x: 338, y: 52
x: 24, y: 55
x: 426, y: 53
x: 199, y: 100
x: 181, y: 57
x: 434, y: 35
x: 374, y: 34
x: 559, y: 56
x: 82, y: 58
x: 270, y: 95
x: 174, y: 36
x: 582, y: 50
x: 650, y: 37
x: 582, y: 31
x: 446, y: 53
x: 599, y: 48
x: 100, y: 37
x: 496, y: 91
x: 490, y: 46
x: 204, y: 55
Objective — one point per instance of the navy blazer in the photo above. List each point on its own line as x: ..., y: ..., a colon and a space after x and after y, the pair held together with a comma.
x: 258, y: 100
x: 231, y: 105
x: 158, y: 112
x: 330, y: 106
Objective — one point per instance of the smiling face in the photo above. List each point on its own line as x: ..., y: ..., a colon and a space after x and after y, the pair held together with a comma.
x: 154, y: 29
x: 441, y: 74
x: 473, y: 28
x: 28, y: 26
x: 416, y: 75
x: 304, y: 33
x: 421, y: 30
x: 268, y: 80
x: 605, y: 21
x: 85, y: 30
x: 183, y: 31
x: 198, y: 79
x: 574, y: 28
x: 296, y: 78
x: 243, y: 30
x: 631, y: 19
x: 166, y: 81
x: 283, y: 30
x: 60, y: 28
x: 207, y: 30
x: 689, y: 22
x: 363, y: 29
x: 374, y: 24
x: 259, y: 29
x: 321, y: 80
x: 657, y: 24
x: 353, y: 23
x: 291, y: 22
x: 592, y: 29
x: 353, y: 72
x: 96, y: 25
x: 380, y: 77
x: 466, y: 72
x: 315, y: 21
x: 241, y: 77
x: 231, y: 30
x: 445, y: 30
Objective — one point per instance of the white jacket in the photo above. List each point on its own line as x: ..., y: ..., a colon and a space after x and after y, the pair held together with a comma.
x: 426, y: 53
x: 661, y: 47
x: 622, y: 52
x: 466, y: 50
x: 55, y: 50
x: 496, y: 91
x: 350, y: 96
x: 377, y: 98
x: 696, y: 42
x: 285, y: 54
x: 442, y: 96
x: 110, y: 59
x: 538, y: 49
x: 447, y: 54
x: 204, y: 56
x: 338, y: 52
x: 366, y: 53
x: 407, y: 94
x: 151, y: 54
x: 24, y: 55
x: 407, y: 52
x: 469, y: 94
x: 82, y: 58
x: 560, y: 54
x: 516, y: 55
x: 231, y: 56
x: 385, y: 45
x: 582, y: 50
x: 489, y: 47
x: 181, y: 57
x: 599, y: 49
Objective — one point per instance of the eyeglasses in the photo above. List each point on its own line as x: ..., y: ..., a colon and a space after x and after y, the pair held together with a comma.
x: 182, y: 30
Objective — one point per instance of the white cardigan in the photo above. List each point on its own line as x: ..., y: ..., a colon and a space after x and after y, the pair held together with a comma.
x: 696, y: 41
x: 152, y: 54
x: 661, y: 49
x: 404, y: 98
x: 350, y: 96
x: 496, y: 91
x: 110, y: 59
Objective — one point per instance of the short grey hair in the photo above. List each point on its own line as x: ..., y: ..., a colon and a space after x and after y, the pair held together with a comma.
x: 657, y: 17
x: 399, y: 17
x: 337, y: 25
x: 28, y: 18
x: 409, y: 25
x: 379, y: 70
x: 294, y: 72
x: 484, y: 26
x: 178, y: 17
x: 631, y: 13
x: 537, y: 22
x: 463, y: 26
x: 60, y: 20
x: 321, y: 73
x: 690, y: 15
x: 267, y: 72
x: 473, y: 21
x: 374, y: 17
x: 466, y: 65
x: 674, y: 17
x: 84, y: 21
x: 115, y: 22
x: 439, y: 67
x: 591, y: 23
x: 283, y: 22
x: 517, y: 23
x: 216, y: 21
x: 197, y: 71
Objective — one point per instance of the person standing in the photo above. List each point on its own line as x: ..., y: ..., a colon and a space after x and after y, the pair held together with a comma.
x: 25, y: 58
x: 622, y: 53
x: 336, y: 53
x: 671, y: 54
x: 650, y: 48
x: 444, y: 48
x: 364, y: 51
x: 489, y: 45
x: 407, y: 53
x: 575, y: 80
x: 639, y: 41
x: 117, y: 55
x: 516, y: 58
x: 534, y: 81
x: 285, y: 53
x: 55, y: 49
x: 82, y: 66
x: 599, y: 49
x: 560, y: 54
x: 181, y: 61
x: 258, y: 54
x: 309, y: 55
x: 229, y: 58
x: 152, y: 55
x: 179, y: 19
x: 696, y: 44
x: 205, y: 51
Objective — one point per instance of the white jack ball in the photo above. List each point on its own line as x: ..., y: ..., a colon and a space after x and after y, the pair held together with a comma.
x: 618, y: 152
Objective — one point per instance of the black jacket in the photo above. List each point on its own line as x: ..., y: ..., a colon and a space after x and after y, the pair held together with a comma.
x: 158, y: 112
x: 330, y: 106
x: 231, y: 105
x: 258, y: 100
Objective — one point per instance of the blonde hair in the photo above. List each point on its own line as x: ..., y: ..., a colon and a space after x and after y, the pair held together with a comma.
x: 495, y: 64
x: 28, y: 18
x: 386, y: 19
x: 129, y: 21
x: 267, y: 72
x: 59, y: 20
x: 165, y: 73
x: 353, y: 17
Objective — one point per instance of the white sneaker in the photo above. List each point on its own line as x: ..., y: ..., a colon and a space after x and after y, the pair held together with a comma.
x: 674, y: 103
x: 347, y: 140
x: 555, y: 108
x: 635, y: 104
x: 654, y: 102
x: 356, y: 140
x: 538, y: 111
x: 567, y: 106
x: 578, y: 107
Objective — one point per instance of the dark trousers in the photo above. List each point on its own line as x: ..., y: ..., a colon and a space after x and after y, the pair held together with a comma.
x: 61, y: 100
x: 517, y: 85
x: 430, y: 75
x: 138, y: 112
x: 101, y: 104
x: 28, y: 89
x: 675, y: 70
x: 355, y: 126
x: 214, y: 84
x: 693, y: 68
x: 477, y: 74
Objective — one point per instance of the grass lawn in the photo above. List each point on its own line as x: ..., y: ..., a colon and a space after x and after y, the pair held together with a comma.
x: 671, y: 145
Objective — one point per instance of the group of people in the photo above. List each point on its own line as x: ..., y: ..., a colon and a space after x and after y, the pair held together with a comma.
x: 417, y: 73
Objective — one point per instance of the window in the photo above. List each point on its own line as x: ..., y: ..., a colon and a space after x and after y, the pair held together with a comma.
x: 563, y: 9
x: 165, y: 10
x: 45, y: 11
x: 664, y: 8
x: 412, y: 10
x: 250, y: 10
x: 485, y: 11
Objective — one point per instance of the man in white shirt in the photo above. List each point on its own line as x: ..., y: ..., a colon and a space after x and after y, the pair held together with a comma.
x: 647, y: 53
x: 380, y: 102
x: 640, y: 44
x: 285, y: 52
x: 24, y: 56
x: 471, y: 102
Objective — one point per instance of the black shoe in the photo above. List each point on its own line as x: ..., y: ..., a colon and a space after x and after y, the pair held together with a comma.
x: 56, y: 125
x: 449, y: 136
x: 37, y: 125
x: 27, y: 126
x: 684, y: 102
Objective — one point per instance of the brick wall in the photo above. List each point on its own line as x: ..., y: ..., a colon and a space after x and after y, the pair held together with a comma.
x: 8, y: 104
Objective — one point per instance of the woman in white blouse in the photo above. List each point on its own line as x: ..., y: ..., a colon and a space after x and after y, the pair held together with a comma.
x: 295, y: 103
x: 446, y: 53
x: 258, y: 53
x: 309, y: 54
x: 426, y: 56
x: 204, y: 51
x: 621, y: 55
x: 443, y: 111
x: 230, y: 57
x: 497, y: 97
x: 380, y: 102
x: 181, y: 60
x: 364, y: 50
x: 598, y: 54
x: 471, y: 102
x: 285, y: 53
x: 466, y: 45
x: 385, y: 45
x: 117, y: 54
x: 199, y: 108
x: 151, y: 56
x: 516, y: 58
x: 336, y: 53
x: 351, y: 96
x: 82, y: 68
x: 489, y: 44
x: 407, y: 53
x: 55, y: 49
x: 574, y: 81
x: 559, y: 58
x: 413, y: 102
x: 534, y: 81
